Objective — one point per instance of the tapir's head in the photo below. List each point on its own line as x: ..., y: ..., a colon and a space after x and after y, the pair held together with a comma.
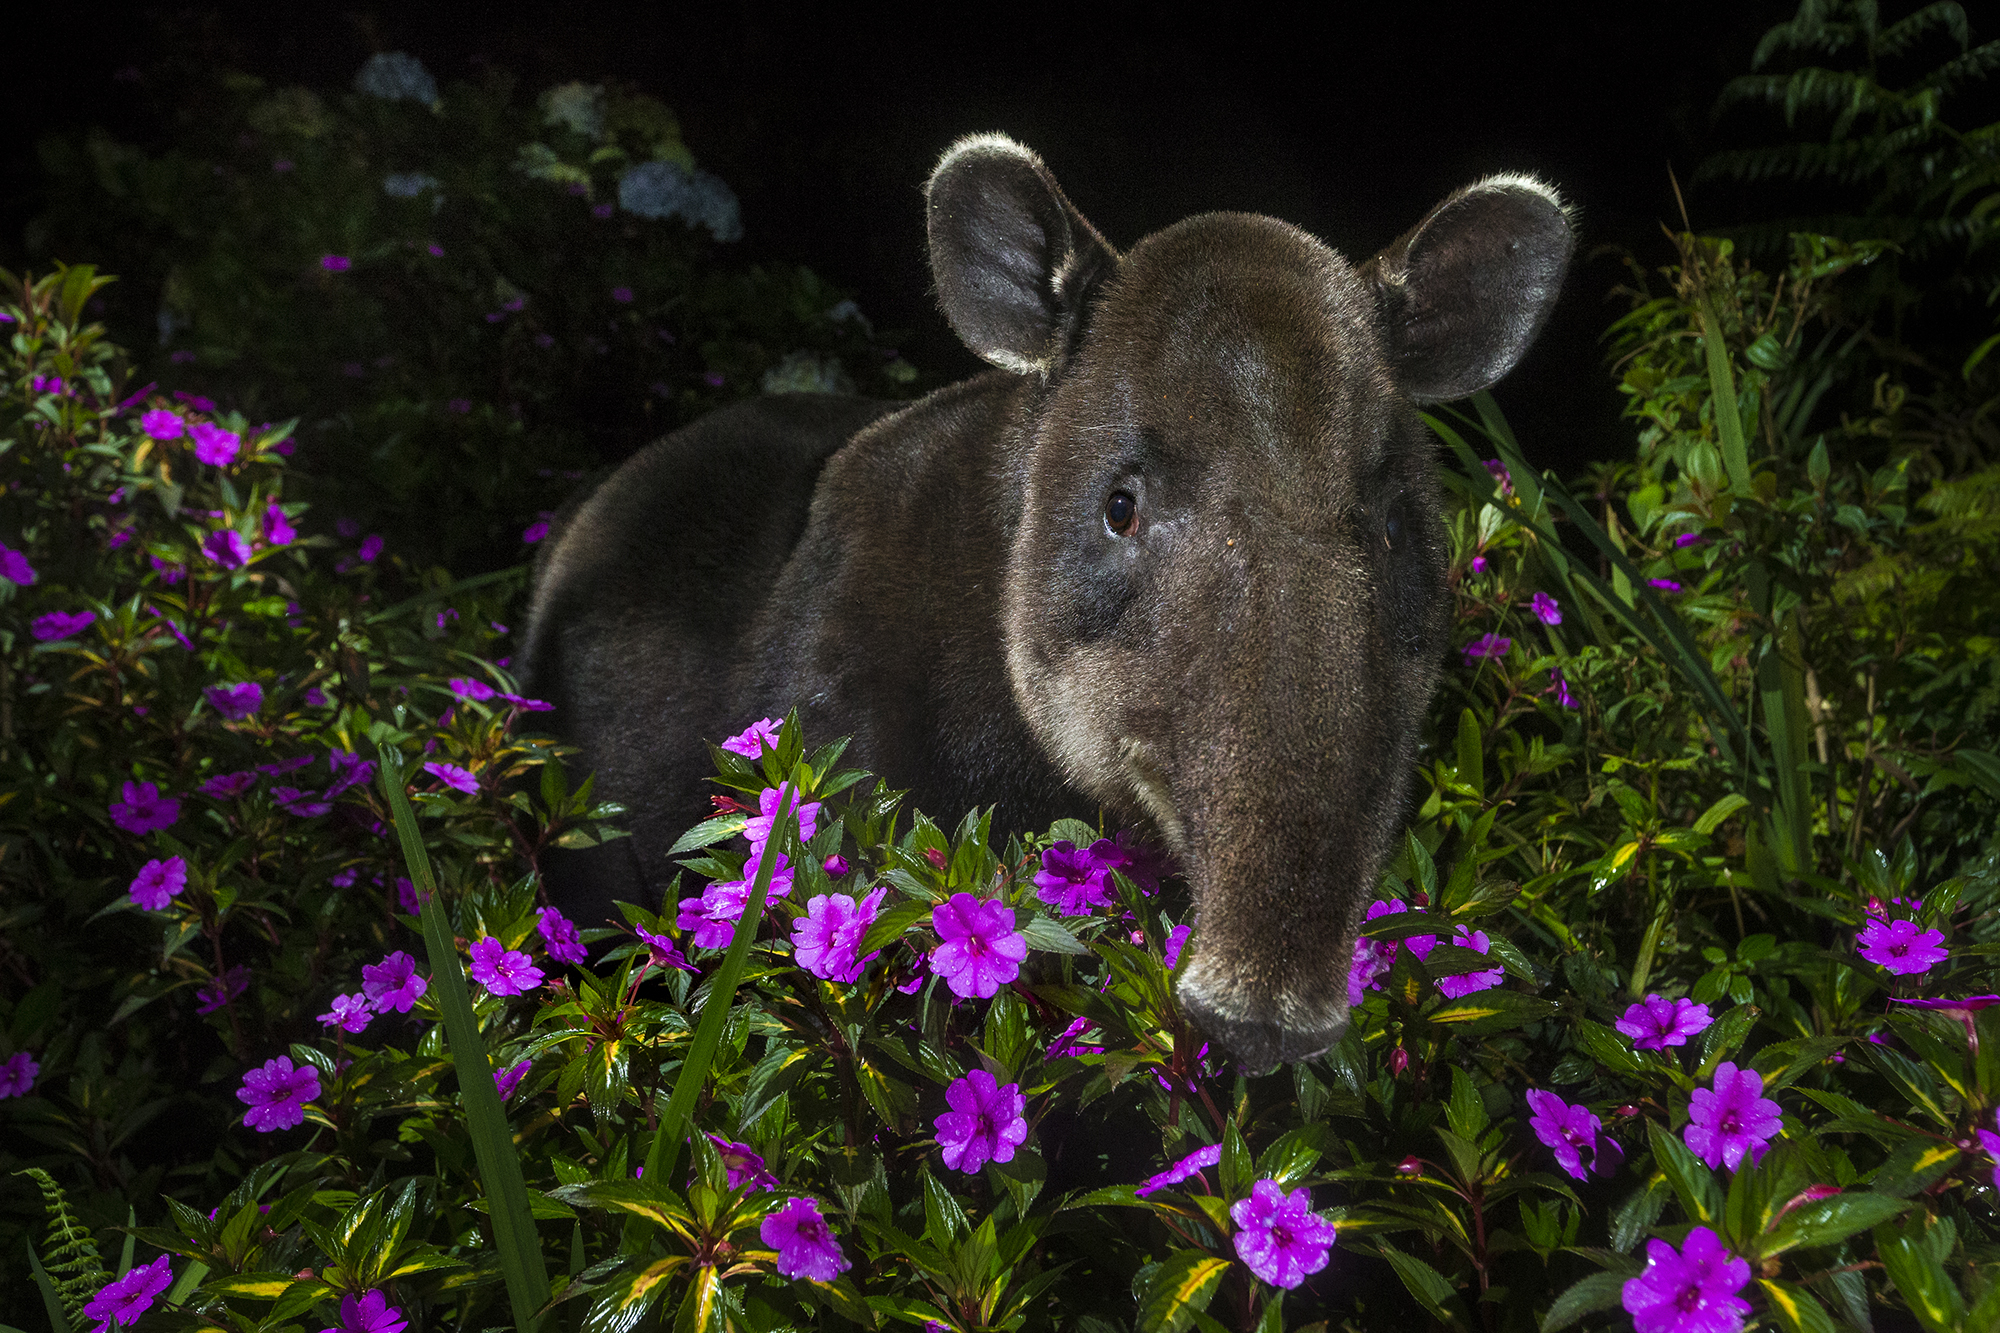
x: 1225, y: 604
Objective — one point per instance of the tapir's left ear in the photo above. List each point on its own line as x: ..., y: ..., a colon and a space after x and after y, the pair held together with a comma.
x: 1013, y: 259
x: 1464, y: 292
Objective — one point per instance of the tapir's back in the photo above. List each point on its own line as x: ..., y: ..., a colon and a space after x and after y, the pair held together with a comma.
x: 642, y: 599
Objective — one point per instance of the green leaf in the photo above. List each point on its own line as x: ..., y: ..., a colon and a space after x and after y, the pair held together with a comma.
x: 1599, y: 1291
x: 1693, y: 1183
x: 1793, y: 1310
x: 1711, y: 818
x: 1831, y: 1220
x: 1724, y: 1036
x: 1919, y: 1278
x: 1237, y: 1171
x: 1491, y: 1011
x: 1912, y: 1166
x: 1044, y: 934
x: 1636, y: 1216
x: 1466, y: 1111
x: 1180, y: 1287
x: 892, y: 923
x: 1607, y: 1047
x: 1430, y: 1287
x: 709, y: 832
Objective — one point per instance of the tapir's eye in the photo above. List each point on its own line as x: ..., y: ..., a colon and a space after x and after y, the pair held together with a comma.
x: 1121, y: 512
x: 1392, y: 531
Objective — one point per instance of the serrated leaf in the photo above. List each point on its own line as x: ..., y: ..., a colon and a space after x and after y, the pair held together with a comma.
x: 892, y: 923
x: 1428, y: 1286
x: 1692, y: 1181
x: 1492, y: 1011
x: 1912, y: 1166
x: 1177, y: 1290
x: 1599, y: 1291
x: 1793, y: 1310
x: 1830, y: 1220
x: 1043, y: 934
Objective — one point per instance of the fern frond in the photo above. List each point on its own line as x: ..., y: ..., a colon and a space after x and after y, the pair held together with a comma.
x: 1900, y: 36
x: 1967, y: 68
x: 72, y: 1261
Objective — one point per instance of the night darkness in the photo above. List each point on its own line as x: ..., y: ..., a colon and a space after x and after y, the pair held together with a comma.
x: 1349, y: 123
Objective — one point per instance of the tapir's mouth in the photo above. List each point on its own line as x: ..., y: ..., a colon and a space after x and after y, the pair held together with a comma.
x: 1259, y: 1045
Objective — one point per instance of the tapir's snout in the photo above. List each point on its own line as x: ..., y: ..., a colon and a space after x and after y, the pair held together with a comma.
x: 1261, y: 1032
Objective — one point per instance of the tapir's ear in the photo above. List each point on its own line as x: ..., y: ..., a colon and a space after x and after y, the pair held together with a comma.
x: 1464, y: 292
x: 1014, y: 260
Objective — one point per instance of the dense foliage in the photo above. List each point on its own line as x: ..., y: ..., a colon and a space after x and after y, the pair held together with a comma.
x: 1671, y: 1013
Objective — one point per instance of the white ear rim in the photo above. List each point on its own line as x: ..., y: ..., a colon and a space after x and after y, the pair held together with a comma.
x: 991, y: 144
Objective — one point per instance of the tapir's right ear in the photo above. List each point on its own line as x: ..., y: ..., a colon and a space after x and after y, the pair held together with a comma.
x: 1464, y: 292
x: 1014, y: 260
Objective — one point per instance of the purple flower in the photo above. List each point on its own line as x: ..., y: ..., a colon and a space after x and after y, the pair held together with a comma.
x: 535, y: 531
x: 1487, y: 645
x: 407, y: 897
x: 1901, y: 947
x: 826, y: 940
x: 228, y: 786
x: 61, y: 624
x: 371, y: 546
x: 601, y: 211
x: 1066, y: 1043
x: 1074, y: 881
x: 743, y: 1164
x: 1465, y: 983
x: 14, y: 566
x: 467, y: 688
x: 277, y: 1094
x: 1546, y: 609
x: 1559, y: 687
x: 805, y: 1244
x: 393, y: 983
x: 218, y: 992
x: 505, y: 1081
x: 300, y: 802
x: 371, y: 1313
x: 1733, y: 1120
x: 214, y: 445
x: 237, y: 701
x: 835, y: 866
x: 984, y: 1124
x: 621, y: 294
x: 1479, y: 563
x: 1176, y: 941
x: 130, y: 1296
x: 1572, y: 1131
x: 349, y: 770
x: 1279, y: 1236
x: 1192, y: 1164
x: 351, y: 1012
x: 750, y: 742
x: 1692, y: 1291
x: 1499, y: 471
x: 712, y: 378
x: 460, y: 405
x: 758, y: 827
x: 713, y: 916
x: 1664, y: 585
x: 144, y: 810
x: 1373, y: 958
x: 528, y: 705
x: 1987, y: 1138
x: 278, y: 530
x: 1688, y: 539
x: 335, y: 263
x: 501, y: 970
x: 559, y: 937
x: 1654, y: 1024
x: 227, y: 548
x: 17, y: 1074
x: 163, y: 424
x: 660, y: 951
x: 159, y: 881
x: 455, y: 777
x: 980, y: 950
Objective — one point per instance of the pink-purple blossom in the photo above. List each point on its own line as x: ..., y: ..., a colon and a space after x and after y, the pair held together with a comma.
x: 163, y: 424
x: 1559, y: 686
x: 368, y: 1313
x: 228, y: 786
x: 1573, y: 1131
x: 621, y: 294
x: 1373, y: 958
x: 128, y: 1297
x: 454, y: 776
x: 218, y: 992
x: 501, y: 970
x: 1487, y: 645
x: 213, y: 445
x: 371, y: 546
x: 352, y: 1012
x: 1191, y: 1165
x: 1278, y: 1235
x: 986, y: 1122
x: 277, y: 1094
x: 1075, y: 881
x: 1654, y: 1023
x: 393, y: 983
x: 1465, y: 983
x: 236, y: 701
x: 826, y: 941
x: 226, y: 547
x: 17, y: 1074
x: 1177, y: 939
x: 805, y: 1244
x: 506, y: 1080
x: 1902, y: 946
x: 661, y: 952
x: 713, y: 916
x: 144, y: 810
x: 559, y: 937
x: 743, y: 1165
x: 980, y: 950
x: 1546, y: 609
x: 750, y: 741
x: 349, y: 770
x: 299, y: 802
x: 467, y: 688
x: 1664, y: 585
x: 758, y: 827
x: 1988, y: 1139
x: 535, y: 531
x: 278, y: 530
x: 335, y: 263
x: 1733, y: 1120
x: 1692, y: 1290
x: 60, y: 624
x: 14, y: 566
x: 158, y: 881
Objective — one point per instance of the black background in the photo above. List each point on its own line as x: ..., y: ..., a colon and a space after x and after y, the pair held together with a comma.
x: 1349, y: 120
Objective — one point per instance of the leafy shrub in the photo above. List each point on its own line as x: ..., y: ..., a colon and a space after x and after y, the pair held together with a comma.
x: 1665, y: 968
x: 468, y: 298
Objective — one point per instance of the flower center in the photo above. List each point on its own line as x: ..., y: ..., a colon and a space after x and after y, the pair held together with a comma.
x: 1689, y: 1299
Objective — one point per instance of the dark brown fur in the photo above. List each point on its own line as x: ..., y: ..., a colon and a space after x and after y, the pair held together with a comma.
x: 1245, y: 671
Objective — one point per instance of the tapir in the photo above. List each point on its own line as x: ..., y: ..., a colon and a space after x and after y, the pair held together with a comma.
x: 1179, y: 556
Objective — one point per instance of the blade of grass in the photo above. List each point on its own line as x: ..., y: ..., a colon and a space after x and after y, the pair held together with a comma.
x: 58, y: 1321
x: 1728, y: 413
x: 666, y: 1146
x: 492, y: 1145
